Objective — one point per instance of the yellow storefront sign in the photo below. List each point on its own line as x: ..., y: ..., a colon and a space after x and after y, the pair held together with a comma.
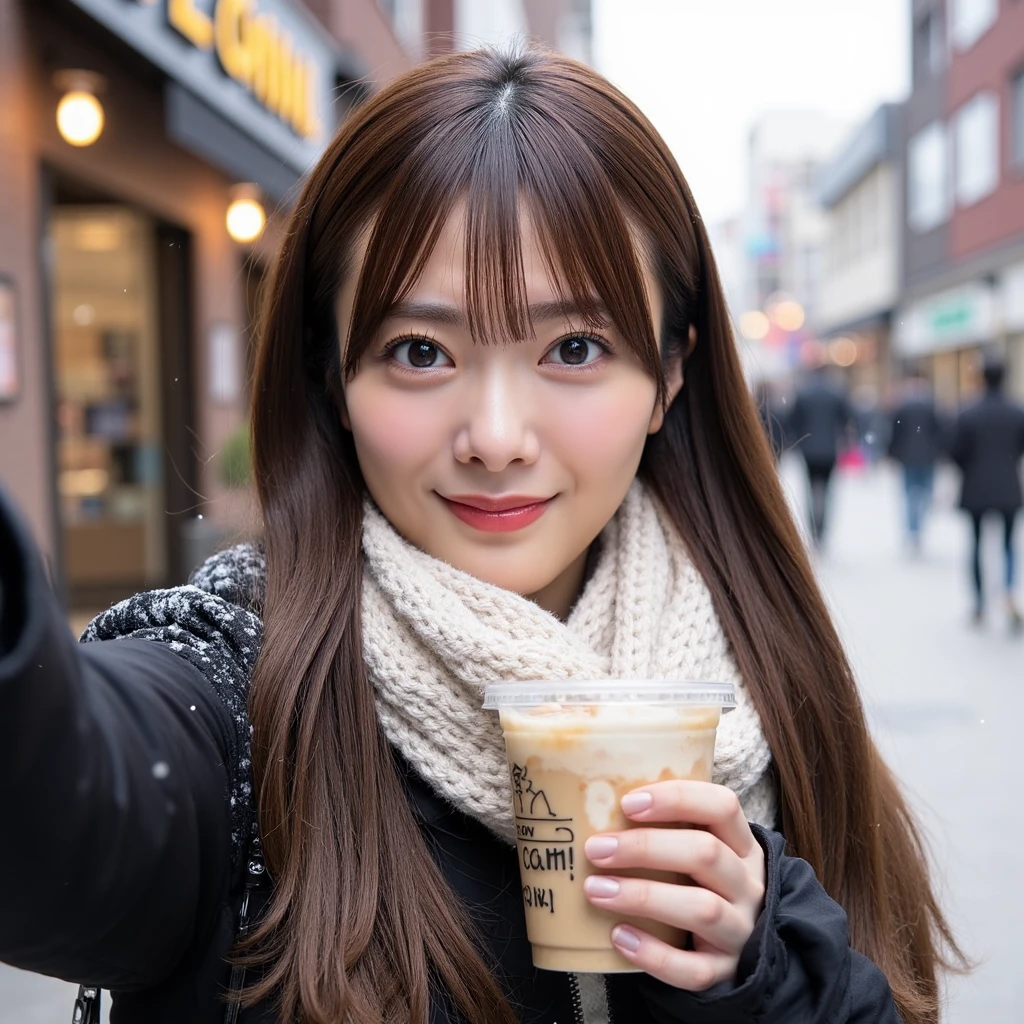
x: 256, y: 53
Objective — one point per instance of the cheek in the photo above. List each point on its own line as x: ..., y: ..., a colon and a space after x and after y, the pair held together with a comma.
x: 604, y: 430
x: 391, y: 431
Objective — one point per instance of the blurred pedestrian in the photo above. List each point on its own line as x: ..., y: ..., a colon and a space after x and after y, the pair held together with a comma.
x: 988, y: 444
x: 871, y: 423
x: 916, y: 442
x: 773, y: 416
x: 821, y: 424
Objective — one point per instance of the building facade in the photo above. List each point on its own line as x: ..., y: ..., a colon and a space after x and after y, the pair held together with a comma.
x: 784, y: 230
x: 125, y: 304
x: 963, y: 233
x: 860, y: 190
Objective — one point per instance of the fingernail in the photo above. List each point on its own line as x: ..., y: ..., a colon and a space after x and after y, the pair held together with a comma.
x: 600, y: 847
x: 634, y: 803
x: 600, y: 885
x: 625, y: 938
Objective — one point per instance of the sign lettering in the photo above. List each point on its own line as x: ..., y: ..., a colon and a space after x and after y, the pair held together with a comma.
x: 257, y: 54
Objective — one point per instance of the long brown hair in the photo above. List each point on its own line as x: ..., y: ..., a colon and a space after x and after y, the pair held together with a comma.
x: 362, y: 926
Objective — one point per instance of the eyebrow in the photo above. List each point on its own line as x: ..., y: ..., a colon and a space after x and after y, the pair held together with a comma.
x: 540, y: 312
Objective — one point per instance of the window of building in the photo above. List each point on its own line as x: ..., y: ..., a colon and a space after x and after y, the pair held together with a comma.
x: 928, y: 194
x: 977, y: 148
x: 1017, y: 123
x: 971, y: 20
x: 407, y: 19
x: 929, y: 45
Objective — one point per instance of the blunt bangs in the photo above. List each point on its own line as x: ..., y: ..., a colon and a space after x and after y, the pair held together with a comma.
x: 508, y: 154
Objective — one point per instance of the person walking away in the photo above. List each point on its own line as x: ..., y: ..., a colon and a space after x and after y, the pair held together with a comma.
x: 916, y: 442
x: 988, y: 444
x: 820, y: 423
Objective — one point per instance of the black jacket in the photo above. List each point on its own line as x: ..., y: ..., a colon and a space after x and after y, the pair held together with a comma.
x: 126, y: 801
x: 820, y: 421
x: 917, y: 438
x: 988, y: 444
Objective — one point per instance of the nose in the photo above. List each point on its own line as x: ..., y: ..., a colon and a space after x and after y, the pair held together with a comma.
x: 496, y: 430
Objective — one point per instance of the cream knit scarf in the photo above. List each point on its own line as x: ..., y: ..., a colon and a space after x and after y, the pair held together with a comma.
x: 433, y: 636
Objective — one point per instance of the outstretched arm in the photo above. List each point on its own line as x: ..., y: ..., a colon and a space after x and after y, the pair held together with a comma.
x: 113, y: 792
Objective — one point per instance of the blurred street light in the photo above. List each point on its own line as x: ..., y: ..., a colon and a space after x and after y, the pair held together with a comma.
x: 843, y: 351
x: 788, y: 314
x: 246, y: 217
x: 754, y: 325
x: 79, y: 113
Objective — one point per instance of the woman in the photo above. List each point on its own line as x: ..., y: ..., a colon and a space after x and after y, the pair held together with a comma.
x: 500, y: 430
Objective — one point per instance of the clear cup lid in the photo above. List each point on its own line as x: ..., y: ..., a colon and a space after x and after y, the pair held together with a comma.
x: 608, y: 691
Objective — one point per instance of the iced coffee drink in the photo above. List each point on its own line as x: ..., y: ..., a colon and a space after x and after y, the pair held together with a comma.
x: 574, y: 750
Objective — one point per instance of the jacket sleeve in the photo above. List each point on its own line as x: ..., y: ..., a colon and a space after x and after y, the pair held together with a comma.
x: 115, y: 787
x: 797, y: 966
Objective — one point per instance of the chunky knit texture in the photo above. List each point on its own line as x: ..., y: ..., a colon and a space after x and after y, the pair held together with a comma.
x: 433, y: 636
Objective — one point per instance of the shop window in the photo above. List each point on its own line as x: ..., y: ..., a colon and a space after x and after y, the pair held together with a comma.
x: 107, y: 376
x: 928, y: 194
x: 977, y: 148
x: 971, y: 20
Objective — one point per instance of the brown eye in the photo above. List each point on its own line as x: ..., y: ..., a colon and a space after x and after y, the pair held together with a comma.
x: 419, y: 354
x: 577, y: 350
x: 422, y: 353
x: 574, y: 351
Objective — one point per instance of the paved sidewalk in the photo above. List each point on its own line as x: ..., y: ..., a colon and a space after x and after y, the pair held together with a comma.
x: 946, y: 703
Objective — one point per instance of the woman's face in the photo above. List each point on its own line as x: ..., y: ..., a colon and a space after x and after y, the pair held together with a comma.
x: 505, y: 461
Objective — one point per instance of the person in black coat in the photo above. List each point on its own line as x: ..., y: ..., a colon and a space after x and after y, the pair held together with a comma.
x: 988, y: 445
x: 916, y: 442
x: 821, y: 423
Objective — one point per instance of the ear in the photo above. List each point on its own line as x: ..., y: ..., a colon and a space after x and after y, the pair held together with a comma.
x: 674, y: 381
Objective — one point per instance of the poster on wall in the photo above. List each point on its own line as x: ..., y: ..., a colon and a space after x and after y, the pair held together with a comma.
x: 9, y: 382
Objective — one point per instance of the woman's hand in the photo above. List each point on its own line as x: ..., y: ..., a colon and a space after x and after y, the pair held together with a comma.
x: 725, y: 863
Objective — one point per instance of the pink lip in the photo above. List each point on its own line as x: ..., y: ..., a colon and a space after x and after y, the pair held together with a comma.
x: 497, y: 515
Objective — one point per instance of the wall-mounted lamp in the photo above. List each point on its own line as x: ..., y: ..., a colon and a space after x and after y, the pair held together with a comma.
x: 246, y: 217
x: 79, y: 112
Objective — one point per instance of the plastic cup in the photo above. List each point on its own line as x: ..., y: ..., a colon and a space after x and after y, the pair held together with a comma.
x: 575, y: 748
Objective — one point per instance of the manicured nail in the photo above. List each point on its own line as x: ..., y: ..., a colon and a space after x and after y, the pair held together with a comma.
x: 599, y: 847
x: 602, y: 886
x: 625, y: 938
x: 634, y: 803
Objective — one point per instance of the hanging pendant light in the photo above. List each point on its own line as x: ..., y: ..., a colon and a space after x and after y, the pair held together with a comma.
x: 80, y: 116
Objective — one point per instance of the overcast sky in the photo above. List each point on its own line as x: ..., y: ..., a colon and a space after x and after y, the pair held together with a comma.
x: 702, y: 70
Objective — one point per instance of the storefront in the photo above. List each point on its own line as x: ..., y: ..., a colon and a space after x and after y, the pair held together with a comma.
x: 125, y: 304
x: 945, y: 334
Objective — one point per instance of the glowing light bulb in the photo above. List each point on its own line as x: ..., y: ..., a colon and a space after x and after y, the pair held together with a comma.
x: 79, y: 117
x: 246, y: 217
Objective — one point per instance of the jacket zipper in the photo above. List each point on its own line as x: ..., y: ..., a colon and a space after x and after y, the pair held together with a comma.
x: 87, y: 1006
x: 577, y: 1000
x: 254, y: 878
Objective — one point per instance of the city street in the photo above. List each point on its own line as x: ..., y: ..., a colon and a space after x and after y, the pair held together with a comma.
x: 944, y: 700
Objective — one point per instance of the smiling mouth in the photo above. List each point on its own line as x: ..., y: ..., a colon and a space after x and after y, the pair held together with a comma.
x: 497, y: 515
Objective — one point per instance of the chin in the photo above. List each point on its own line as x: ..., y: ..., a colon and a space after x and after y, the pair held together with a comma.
x: 518, y: 578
